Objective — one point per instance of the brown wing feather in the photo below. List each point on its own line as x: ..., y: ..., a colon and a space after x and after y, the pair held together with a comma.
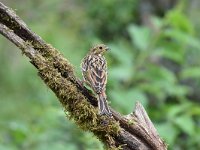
x: 95, y: 72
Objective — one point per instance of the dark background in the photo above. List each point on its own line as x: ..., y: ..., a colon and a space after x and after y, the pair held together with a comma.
x: 154, y: 59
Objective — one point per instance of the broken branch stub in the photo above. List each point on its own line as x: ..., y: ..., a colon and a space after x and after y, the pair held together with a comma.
x: 133, y: 132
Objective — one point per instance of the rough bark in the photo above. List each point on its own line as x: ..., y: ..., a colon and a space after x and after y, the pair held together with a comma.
x: 131, y: 132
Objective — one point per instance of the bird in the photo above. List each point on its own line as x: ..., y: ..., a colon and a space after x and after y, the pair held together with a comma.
x: 94, y: 71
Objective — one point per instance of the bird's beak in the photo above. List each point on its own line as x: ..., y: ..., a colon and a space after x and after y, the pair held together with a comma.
x: 107, y: 49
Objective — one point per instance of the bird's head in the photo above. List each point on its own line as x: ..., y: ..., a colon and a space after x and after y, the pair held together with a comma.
x: 99, y: 49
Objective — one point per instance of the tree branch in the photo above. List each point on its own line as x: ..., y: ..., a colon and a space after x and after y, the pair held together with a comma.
x: 132, y: 132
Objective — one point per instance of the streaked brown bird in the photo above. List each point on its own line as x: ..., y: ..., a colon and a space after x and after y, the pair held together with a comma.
x: 94, y: 70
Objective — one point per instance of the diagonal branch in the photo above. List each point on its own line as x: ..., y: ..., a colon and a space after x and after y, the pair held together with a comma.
x: 134, y: 132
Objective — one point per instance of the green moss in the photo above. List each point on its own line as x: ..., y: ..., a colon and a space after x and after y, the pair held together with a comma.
x: 75, y: 103
x: 131, y: 122
x: 5, y: 18
x: 58, y: 74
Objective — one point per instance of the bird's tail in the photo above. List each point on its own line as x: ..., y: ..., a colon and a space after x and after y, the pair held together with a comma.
x: 103, y: 106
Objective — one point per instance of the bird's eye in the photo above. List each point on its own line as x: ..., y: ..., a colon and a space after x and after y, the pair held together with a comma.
x: 100, y: 47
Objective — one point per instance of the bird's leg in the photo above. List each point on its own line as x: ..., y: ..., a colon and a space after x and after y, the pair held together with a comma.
x: 81, y: 82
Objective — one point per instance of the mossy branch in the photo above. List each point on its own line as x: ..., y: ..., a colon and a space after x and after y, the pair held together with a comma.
x: 132, y: 132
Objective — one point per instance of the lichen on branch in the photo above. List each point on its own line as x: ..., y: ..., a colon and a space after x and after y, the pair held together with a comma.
x: 79, y: 104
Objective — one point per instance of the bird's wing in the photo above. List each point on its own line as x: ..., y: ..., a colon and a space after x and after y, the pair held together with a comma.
x: 97, y: 73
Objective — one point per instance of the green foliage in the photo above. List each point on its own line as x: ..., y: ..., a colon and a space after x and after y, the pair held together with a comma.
x: 157, y: 65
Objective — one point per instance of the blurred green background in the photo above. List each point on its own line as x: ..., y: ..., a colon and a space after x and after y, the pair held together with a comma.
x: 154, y: 58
